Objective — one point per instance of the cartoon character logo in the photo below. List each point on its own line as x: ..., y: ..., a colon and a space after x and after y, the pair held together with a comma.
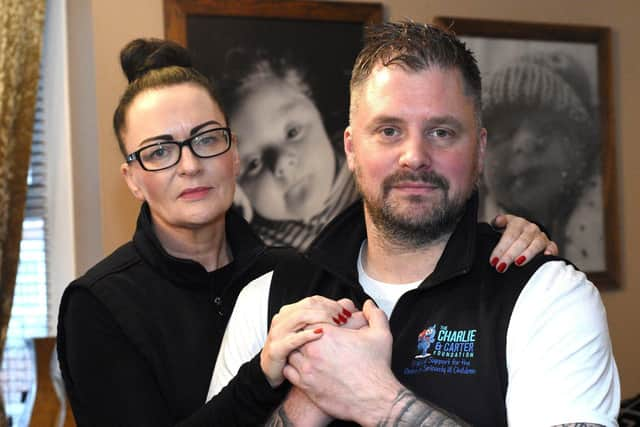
x: 425, y: 339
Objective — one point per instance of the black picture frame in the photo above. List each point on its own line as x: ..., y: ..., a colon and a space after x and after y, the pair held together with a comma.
x: 518, y: 61
x: 318, y: 39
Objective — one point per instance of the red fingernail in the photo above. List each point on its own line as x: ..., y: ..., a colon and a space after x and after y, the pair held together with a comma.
x: 342, y: 318
x: 336, y: 321
x: 494, y: 261
x: 502, y: 267
x: 317, y: 331
x: 346, y: 312
x: 521, y: 259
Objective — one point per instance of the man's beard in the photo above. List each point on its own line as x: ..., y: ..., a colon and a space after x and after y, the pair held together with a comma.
x: 436, y: 219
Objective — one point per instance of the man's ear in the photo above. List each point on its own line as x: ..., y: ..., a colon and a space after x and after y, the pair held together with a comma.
x: 348, y: 148
x: 127, y: 174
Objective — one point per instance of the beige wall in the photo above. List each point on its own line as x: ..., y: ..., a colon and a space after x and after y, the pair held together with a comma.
x: 97, y: 31
x: 106, y: 28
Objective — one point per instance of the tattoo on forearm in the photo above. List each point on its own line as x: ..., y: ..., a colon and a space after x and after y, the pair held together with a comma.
x: 279, y: 419
x: 407, y: 410
x: 409, y: 400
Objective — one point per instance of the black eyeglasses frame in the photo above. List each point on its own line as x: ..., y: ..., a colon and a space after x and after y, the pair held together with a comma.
x: 135, y: 156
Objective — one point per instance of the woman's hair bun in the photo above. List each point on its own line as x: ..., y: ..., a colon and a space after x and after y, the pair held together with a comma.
x: 143, y: 55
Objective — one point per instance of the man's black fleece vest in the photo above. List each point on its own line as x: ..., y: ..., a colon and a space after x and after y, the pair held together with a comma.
x: 449, y: 333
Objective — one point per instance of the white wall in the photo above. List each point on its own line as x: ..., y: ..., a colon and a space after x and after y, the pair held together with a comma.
x: 60, y: 232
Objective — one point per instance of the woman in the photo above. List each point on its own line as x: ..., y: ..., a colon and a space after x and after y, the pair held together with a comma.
x: 139, y: 333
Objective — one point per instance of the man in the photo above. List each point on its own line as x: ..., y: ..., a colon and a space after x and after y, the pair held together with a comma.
x: 463, y: 344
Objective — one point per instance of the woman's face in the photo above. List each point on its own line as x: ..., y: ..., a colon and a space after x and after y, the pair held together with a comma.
x: 195, y: 192
x: 287, y: 161
x: 532, y: 159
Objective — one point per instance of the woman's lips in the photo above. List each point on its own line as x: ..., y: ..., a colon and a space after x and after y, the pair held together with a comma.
x: 194, y: 193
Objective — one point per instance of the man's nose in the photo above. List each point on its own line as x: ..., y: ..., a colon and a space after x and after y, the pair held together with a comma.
x: 415, y: 153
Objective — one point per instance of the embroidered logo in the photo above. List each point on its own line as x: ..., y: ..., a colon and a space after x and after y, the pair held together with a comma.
x: 452, y: 351
x: 425, y: 339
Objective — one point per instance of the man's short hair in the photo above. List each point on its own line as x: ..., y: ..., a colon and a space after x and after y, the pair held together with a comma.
x: 416, y: 47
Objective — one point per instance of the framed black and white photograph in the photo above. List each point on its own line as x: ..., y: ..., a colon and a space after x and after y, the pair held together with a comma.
x: 282, y: 70
x: 550, y: 153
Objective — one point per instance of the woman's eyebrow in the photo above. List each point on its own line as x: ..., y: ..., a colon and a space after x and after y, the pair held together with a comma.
x: 167, y: 137
x: 205, y: 124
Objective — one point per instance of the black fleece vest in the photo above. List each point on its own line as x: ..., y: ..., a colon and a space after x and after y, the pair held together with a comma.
x: 449, y: 334
x: 172, y: 311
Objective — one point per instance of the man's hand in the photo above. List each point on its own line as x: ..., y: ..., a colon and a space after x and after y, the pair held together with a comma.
x: 297, y: 408
x: 347, y: 373
x: 297, y: 324
x: 520, y: 242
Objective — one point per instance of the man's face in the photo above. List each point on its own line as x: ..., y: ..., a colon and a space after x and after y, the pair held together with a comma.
x: 287, y: 161
x: 415, y: 149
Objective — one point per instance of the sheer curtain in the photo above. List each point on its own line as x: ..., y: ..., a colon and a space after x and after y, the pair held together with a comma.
x: 21, y: 29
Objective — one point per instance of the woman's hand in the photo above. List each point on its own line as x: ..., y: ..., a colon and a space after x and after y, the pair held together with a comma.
x: 521, y: 240
x: 299, y: 323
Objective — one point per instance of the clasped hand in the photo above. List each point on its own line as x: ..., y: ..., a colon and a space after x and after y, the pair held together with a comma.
x: 339, y: 358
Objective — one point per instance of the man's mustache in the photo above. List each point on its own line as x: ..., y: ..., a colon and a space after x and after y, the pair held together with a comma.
x: 426, y: 177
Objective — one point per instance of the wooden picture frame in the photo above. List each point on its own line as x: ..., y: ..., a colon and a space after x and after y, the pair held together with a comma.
x: 565, y: 70
x: 259, y: 50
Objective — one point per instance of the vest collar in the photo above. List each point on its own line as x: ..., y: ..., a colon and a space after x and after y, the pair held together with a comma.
x: 245, y: 247
x: 337, y: 247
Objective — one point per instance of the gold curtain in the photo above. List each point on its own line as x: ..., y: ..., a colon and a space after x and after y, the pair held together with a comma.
x: 21, y: 28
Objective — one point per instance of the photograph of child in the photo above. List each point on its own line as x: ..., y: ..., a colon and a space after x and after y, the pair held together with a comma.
x: 284, y: 86
x: 543, y: 161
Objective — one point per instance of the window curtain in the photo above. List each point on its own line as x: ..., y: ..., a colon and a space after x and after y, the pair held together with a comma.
x: 21, y: 29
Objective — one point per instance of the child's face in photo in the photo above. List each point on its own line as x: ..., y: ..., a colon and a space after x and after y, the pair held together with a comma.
x: 287, y: 163
x: 532, y: 158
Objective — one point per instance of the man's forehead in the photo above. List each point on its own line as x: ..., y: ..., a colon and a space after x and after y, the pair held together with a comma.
x: 384, y: 79
x: 392, y: 95
x: 393, y: 81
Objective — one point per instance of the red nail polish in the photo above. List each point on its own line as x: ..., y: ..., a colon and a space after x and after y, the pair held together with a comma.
x: 494, y: 261
x: 502, y: 267
x: 521, y: 259
x: 342, y: 318
x: 317, y: 331
x: 346, y: 312
x: 336, y: 321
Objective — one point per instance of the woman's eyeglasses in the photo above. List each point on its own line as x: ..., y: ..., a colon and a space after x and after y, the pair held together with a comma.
x: 165, y: 154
